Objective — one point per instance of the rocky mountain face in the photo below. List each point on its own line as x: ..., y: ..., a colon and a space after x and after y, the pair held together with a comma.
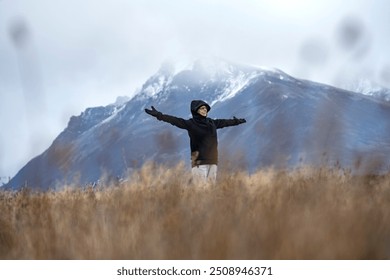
x: 290, y: 123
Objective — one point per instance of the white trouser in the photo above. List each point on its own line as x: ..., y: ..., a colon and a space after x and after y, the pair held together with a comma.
x: 205, y: 172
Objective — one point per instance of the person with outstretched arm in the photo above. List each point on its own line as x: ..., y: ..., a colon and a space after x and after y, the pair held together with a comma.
x: 203, y: 137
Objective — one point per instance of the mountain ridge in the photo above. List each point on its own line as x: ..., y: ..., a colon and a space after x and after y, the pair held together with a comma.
x: 291, y: 122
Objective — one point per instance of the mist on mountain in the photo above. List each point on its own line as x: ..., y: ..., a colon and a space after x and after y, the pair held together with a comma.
x: 290, y: 123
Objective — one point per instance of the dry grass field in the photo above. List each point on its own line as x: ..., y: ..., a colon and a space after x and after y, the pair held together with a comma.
x: 159, y: 214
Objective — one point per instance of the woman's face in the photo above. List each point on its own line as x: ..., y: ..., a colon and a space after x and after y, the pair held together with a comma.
x: 202, y: 111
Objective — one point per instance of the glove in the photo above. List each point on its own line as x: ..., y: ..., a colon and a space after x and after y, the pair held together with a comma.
x: 153, y: 112
x: 239, y: 121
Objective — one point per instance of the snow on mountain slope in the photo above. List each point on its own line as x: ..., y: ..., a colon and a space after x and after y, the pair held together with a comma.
x: 290, y: 122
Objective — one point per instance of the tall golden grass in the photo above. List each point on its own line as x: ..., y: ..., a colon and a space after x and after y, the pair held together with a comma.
x: 160, y: 214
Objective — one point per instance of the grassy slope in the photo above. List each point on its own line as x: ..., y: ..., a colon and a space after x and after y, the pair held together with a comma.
x: 160, y: 214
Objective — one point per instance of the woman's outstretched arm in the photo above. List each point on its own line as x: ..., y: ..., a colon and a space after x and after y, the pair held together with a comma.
x: 221, y: 123
x: 178, y: 122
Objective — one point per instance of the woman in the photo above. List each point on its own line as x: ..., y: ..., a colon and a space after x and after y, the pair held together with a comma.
x: 203, y: 137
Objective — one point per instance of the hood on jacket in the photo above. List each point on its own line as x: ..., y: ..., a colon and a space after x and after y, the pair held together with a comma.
x: 196, y: 104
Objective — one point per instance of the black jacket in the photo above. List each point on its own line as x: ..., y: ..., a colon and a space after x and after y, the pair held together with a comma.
x: 202, y: 132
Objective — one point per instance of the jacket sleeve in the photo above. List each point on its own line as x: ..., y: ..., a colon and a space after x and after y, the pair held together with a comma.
x: 221, y: 123
x: 178, y: 122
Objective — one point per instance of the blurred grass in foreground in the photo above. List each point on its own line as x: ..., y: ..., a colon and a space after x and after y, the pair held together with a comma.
x: 160, y: 214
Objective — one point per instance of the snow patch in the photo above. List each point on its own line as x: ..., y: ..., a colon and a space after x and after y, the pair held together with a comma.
x: 155, y: 86
x: 365, y: 87
x: 371, y: 89
x: 114, y: 113
x: 235, y: 85
x: 153, y: 89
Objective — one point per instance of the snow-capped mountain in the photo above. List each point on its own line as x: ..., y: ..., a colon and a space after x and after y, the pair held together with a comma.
x: 290, y: 122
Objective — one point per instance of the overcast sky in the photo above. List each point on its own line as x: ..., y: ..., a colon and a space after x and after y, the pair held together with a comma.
x: 58, y: 57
